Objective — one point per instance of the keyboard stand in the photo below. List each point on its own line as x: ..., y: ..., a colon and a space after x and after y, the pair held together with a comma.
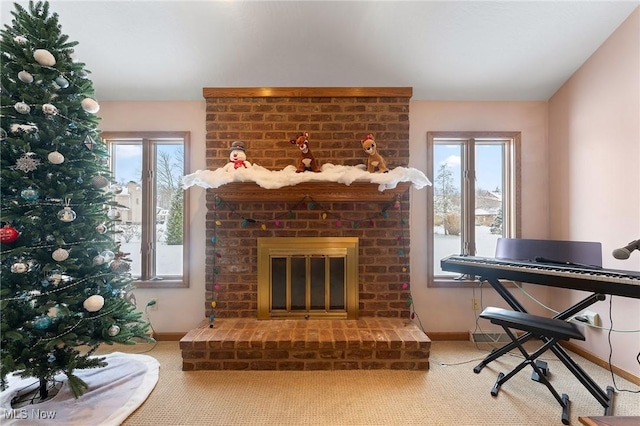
x: 604, y: 398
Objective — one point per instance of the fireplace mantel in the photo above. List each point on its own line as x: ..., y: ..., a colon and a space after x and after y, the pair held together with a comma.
x: 318, y: 191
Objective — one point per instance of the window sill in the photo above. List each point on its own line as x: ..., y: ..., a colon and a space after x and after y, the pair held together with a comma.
x: 169, y: 283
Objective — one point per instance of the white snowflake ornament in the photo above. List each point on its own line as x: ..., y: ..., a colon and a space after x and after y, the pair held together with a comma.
x: 27, y: 163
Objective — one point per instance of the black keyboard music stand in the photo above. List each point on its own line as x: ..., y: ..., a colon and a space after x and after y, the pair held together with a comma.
x: 574, y: 252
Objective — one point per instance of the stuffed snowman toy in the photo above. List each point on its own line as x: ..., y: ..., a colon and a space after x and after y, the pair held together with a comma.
x: 237, y: 157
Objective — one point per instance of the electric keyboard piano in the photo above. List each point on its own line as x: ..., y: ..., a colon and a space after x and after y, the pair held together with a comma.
x: 565, y: 275
x: 596, y: 280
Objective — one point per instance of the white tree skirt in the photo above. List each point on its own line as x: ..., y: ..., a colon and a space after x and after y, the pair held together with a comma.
x: 115, y: 391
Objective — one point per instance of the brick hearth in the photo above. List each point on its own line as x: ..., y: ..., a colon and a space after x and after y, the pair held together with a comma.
x: 250, y: 344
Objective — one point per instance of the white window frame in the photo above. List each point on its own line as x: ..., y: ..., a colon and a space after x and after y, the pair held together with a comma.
x: 148, y: 278
x: 511, y: 193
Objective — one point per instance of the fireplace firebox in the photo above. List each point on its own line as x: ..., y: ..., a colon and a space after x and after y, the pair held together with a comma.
x: 308, y: 277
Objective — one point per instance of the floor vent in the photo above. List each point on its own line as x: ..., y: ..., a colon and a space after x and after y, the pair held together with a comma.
x: 495, y: 337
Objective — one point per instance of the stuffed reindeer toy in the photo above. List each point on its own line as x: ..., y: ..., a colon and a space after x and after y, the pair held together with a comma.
x: 306, y: 161
x: 375, y: 159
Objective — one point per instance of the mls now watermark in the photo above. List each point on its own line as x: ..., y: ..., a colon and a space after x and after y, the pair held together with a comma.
x: 28, y: 414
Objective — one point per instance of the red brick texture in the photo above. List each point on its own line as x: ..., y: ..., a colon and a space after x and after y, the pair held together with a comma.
x: 250, y: 344
x: 335, y: 124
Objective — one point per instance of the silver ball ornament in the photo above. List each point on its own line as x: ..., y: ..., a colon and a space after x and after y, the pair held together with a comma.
x: 100, y: 181
x: 22, y: 108
x: 62, y: 82
x: 119, y: 266
x: 113, y: 331
x: 108, y: 255
x: 113, y: 214
x: 67, y: 215
x: 25, y: 77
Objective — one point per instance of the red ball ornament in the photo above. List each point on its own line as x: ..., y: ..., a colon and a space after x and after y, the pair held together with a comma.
x: 8, y: 234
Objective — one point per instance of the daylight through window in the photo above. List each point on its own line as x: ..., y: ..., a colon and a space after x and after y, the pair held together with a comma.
x: 474, y: 199
x: 152, y: 204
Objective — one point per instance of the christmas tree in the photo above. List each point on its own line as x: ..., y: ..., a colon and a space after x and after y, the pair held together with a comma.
x: 65, y: 283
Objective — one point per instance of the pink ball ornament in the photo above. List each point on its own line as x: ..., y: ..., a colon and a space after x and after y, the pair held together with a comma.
x: 93, y: 303
x: 44, y: 57
x: 55, y: 157
x: 60, y: 255
x: 90, y: 105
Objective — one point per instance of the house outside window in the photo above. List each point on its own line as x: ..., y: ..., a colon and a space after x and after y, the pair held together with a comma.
x: 148, y: 168
x: 474, y: 199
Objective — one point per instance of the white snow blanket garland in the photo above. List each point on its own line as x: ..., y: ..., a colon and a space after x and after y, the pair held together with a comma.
x: 273, y: 179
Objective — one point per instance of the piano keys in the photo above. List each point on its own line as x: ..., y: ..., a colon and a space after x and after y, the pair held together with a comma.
x: 570, y: 276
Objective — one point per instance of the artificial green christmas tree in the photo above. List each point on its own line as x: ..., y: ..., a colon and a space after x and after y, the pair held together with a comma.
x: 65, y: 283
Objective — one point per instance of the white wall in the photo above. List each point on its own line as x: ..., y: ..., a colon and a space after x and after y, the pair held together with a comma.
x: 594, y: 161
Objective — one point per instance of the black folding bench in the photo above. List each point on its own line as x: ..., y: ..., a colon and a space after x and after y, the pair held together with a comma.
x: 549, y: 330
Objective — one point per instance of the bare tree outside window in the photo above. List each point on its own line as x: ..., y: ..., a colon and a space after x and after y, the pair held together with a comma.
x: 445, y: 196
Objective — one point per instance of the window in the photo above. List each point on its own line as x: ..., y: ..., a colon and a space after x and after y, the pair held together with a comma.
x: 148, y: 168
x: 474, y: 199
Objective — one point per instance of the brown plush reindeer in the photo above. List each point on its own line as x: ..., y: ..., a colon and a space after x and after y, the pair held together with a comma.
x: 375, y: 159
x: 306, y: 161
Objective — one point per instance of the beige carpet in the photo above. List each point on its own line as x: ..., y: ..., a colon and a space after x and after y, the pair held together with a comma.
x: 448, y: 394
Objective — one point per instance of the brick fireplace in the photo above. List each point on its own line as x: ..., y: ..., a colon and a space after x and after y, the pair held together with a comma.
x: 266, y: 119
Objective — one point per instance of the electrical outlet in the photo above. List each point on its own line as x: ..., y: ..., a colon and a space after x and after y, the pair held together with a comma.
x: 592, y: 318
x: 588, y: 318
x: 475, y: 304
x: 152, y: 305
